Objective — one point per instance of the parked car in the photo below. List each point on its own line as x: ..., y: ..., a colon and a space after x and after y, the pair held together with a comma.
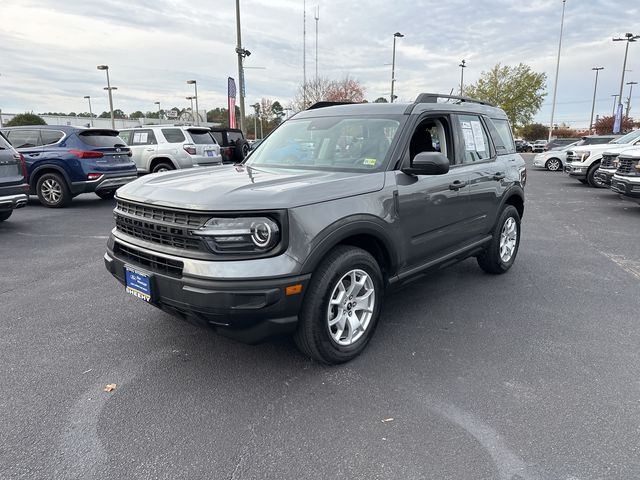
x: 522, y: 146
x: 159, y: 148
x: 13, y: 181
x: 310, y: 246
x: 538, y: 146
x: 63, y: 161
x: 559, y: 143
x: 555, y: 159
x: 626, y: 180
x: 608, y: 165
x: 583, y: 162
x: 233, y: 145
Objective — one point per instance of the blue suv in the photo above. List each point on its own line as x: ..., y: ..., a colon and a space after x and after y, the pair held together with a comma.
x: 64, y: 161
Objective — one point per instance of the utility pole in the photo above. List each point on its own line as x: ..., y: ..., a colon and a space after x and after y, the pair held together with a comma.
x: 631, y: 84
x: 317, y: 17
x: 593, y: 104
x: 242, y: 53
x: 555, y: 85
x: 462, y: 66
x: 393, y: 64
x: 628, y: 37
x: 91, y: 113
x: 304, y: 55
x: 109, y: 88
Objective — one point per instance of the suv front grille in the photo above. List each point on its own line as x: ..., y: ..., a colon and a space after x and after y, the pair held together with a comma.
x: 153, y: 262
x: 627, y: 166
x: 160, y: 226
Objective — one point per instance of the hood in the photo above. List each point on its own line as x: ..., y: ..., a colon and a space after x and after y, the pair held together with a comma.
x: 239, y: 187
x: 601, y: 148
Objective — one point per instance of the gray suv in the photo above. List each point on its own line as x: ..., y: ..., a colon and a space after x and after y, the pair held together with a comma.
x: 13, y: 183
x: 339, y: 205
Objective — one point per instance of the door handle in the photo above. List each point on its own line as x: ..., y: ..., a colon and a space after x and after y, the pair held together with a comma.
x: 32, y: 154
x: 149, y: 149
x: 499, y: 175
x: 457, y: 185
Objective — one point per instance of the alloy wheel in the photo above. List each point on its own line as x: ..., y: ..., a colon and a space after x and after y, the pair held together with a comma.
x: 508, y: 239
x: 351, y: 307
x: 51, y: 191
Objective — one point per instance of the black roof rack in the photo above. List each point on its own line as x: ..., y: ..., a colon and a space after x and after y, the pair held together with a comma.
x: 433, y: 98
x: 327, y: 104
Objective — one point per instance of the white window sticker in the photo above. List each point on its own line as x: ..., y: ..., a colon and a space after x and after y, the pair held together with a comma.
x: 140, y: 137
x: 478, y: 135
x: 469, y: 142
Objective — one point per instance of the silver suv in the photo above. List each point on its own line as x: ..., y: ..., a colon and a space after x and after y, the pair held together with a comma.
x: 158, y: 148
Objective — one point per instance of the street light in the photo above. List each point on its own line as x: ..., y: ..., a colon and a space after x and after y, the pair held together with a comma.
x: 191, y: 98
x: 109, y: 88
x: 628, y: 37
x: 195, y: 86
x: 90, y: 112
x: 593, y: 105
x: 555, y: 85
x: 158, y: 103
x: 462, y: 66
x: 393, y: 63
x: 631, y: 84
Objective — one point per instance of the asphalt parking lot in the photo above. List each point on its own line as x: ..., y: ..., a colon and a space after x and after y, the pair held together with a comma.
x: 529, y: 375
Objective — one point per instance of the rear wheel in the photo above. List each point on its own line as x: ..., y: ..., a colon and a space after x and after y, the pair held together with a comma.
x: 592, y: 180
x: 502, y: 251
x: 106, y: 195
x: 5, y: 215
x: 341, y: 306
x: 553, y: 164
x: 162, y: 167
x: 53, y: 191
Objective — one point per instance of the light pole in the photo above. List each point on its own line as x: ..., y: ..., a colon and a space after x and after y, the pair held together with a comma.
x: 195, y: 86
x: 631, y: 84
x: 593, y: 104
x: 628, y: 37
x: 256, y: 107
x: 393, y: 63
x: 90, y: 112
x: 555, y: 85
x: 462, y: 66
x: 317, y: 17
x: 191, y: 98
x: 158, y: 103
x: 109, y: 88
x: 242, y: 53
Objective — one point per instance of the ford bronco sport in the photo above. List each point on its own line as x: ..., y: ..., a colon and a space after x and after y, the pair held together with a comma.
x: 337, y: 206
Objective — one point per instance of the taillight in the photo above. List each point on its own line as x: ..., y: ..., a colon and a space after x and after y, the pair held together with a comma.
x: 190, y: 149
x: 86, y: 154
x: 94, y: 176
x: 129, y: 154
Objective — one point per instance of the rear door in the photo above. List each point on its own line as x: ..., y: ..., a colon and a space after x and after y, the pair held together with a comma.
x: 144, y: 147
x: 10, y: 166
x: 27, y: 142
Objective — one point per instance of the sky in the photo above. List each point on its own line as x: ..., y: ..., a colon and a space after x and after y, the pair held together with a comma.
x: 50, y: 49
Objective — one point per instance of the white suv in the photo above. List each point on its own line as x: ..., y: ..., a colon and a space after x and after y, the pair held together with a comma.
x: 158, y: 148
x: 583, y: 162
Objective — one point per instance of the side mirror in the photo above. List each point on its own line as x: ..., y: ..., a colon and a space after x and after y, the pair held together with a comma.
x: 428, y: 163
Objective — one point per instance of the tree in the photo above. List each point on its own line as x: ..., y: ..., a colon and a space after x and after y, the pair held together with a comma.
x: 563, y: 131
x: 277, y: 110
x: 323, y: 89
x: 104, y: 115
x: 25, y: 119
x: 381, y: 100
x: 136, y: 115
x: 534, y: 131
x: 346, y: 90
x: 518, y: 90
x: 604, y: 125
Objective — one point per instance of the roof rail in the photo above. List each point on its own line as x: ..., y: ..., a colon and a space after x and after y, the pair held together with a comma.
x: 433, y: 98
x: 323, y: 104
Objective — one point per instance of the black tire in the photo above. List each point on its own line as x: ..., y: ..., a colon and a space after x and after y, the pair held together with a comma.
x: 5, y: 215
x: 240, y: 151
x: 592, y: 180
x: 313, y: 336
x: 583, y: 180
x: 162, y: 167
x: 553, y: 164
x: 106, y: 195
x: 490, y: 260
x: 53, y: 191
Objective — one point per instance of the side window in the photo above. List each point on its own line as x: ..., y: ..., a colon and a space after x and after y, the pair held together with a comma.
x: 432, y: 135
x: 25, y: 138
x: 233, y: 137
x: 143, y: 137
x: 49, y: 137
x: 173, y: 135
x: 474, y: 138
x: 501, y: 133
x: 218, y: 137
x: 126, y: 136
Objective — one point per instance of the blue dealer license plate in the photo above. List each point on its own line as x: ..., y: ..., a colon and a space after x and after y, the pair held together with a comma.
x: 209, y: 153
x: 138, y: 284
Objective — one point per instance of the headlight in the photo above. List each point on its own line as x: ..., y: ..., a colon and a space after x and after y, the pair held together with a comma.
x: 240, y: 235
x: 582, y: 156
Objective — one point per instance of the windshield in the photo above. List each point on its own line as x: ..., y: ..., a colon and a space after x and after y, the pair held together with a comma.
x: 628, y: 138
x: 329, y: 143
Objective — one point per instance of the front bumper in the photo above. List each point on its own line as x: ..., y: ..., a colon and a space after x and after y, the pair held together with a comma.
x: 604, y: 175
x: 578, y: 171
x: 10, y: 202
x: 247, y: 310
x: 627, y: 186
x: 107, y: 182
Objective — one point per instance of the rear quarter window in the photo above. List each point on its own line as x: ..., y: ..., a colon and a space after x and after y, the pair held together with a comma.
x: 502, y: 137
x: 102, y: 139
x: 49, y: 137
x: 126, y: 136
x: 233, y: 137
x: 173, y: 135
x: 201, y: 137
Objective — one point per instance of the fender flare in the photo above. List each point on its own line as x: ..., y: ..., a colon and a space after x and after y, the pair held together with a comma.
x: 48, y: 166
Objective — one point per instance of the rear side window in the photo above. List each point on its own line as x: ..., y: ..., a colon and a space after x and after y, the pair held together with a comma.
x: 102, y: 138
x: 126, y: 136
x: 218, y: 137
x: 49, y: 137
x: 201, y: 137
x: 173, y: 135
x: 502, y: 138
x: 143, y: 137
x: 475, y: 139
x: 24, y: 138
x: 233, y: 137
x: 597, y: 140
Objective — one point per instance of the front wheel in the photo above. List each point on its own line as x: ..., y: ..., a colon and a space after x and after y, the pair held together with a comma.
x: 553, y: 164
x: 503, y: 248
x: 594, y: 181
x: 341, y: 306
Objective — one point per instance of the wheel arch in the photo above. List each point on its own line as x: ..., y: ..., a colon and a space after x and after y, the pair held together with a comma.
x: 161, y: 159
x: 514, y: 197
x: 47, y: 168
